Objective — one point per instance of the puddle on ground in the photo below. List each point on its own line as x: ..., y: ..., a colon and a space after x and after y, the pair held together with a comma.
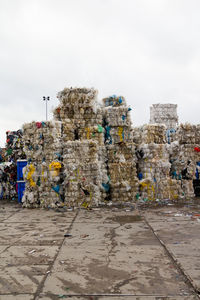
x: 126, y: 219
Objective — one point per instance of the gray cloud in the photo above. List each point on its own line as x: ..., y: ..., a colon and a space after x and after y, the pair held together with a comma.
x: 147, y: 51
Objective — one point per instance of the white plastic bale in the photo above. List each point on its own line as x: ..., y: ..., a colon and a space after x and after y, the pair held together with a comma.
x: 188, y: 134
x: 164, y: 114
x: 117, y: 116
x: 43, y: 149
x: 83, y: 173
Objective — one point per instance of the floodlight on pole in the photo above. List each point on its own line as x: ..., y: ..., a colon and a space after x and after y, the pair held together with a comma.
x: 46, y: 99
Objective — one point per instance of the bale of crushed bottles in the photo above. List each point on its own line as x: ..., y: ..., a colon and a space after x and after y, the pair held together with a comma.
x: 153, y: 133
x: 80, y: 106
x: 43, y: 173
x: 185, y: 159
x: 14, y: 146
x: 121, y: 163
x: 114, y: 101
x: 8, y: 180
x: 84, y: 174
x: 188, y: 134
x: 164, y: 114
x: 13, y: 152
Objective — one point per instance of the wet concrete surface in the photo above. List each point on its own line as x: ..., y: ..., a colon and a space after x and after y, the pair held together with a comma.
x: 151, y: 253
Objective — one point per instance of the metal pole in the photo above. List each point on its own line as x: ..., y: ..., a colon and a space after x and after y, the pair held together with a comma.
x: 46, y: 99
x: 46, y: 109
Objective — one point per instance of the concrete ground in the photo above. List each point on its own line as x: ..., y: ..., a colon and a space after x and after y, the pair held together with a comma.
x: 117, y: 254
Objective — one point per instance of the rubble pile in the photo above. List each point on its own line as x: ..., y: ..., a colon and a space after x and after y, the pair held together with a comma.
x: 42, y: 145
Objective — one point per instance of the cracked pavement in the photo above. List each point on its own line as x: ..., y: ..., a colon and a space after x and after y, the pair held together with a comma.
x: 151, y: 254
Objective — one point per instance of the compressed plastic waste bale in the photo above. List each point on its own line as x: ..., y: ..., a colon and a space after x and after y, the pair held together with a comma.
x: 14, y: 145
x: 8, y: 178
x: 80, y: 105
x: 114, y: 101
x: 121, y: 163
x: 13, y: 152
x: 95, y: 133
x: 123, y: 152
x: 83, y: 173
x: 184, y: 160
x: 43, y: 173
x: 153, y: 133
x: 188, y: 134
x: 117, y: 116
x: 164, y: 114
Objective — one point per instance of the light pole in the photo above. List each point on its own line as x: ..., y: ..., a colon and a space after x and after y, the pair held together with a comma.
x: 46, y: 99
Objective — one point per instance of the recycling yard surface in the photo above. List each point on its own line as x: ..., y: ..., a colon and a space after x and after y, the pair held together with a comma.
x: 101, y: 254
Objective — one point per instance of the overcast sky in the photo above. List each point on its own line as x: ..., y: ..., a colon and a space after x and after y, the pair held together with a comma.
x: 145, y: 50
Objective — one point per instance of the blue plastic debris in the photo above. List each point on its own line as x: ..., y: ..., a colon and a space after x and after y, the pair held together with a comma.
x: 106, y: 186
x: 107, y: 135
x: 168, y: 134
x: 140, y: 176
x: 56, y: 188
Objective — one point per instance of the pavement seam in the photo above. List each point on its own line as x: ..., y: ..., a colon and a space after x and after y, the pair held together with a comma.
x: 188, y: 280
x: 41, y: 285
x: 10, y: 216
x: 161, y: 296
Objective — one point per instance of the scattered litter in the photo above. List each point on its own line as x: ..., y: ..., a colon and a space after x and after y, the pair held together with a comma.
x: 128, y: 226
x: 32, y: 251
x: 178, y: 215
x: 67, y: 235
x: 83, y: 236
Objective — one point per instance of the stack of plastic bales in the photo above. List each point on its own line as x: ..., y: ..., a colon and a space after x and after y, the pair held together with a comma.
x: 83, y: 147
x: 165, y: 114
x: 121, y: 150
x: 117, y: 121
x: 83, y: 176
x: 42, y: 174
x: 185, y: 157
x: 154, y: 166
